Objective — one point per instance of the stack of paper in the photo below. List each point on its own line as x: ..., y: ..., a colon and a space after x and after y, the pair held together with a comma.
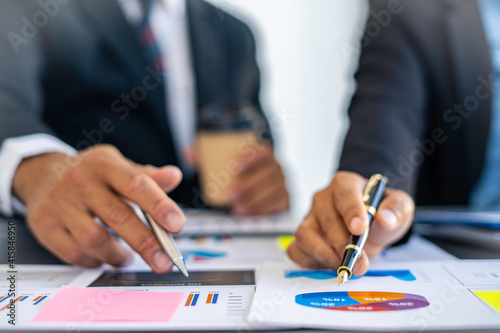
x: 404, y: 290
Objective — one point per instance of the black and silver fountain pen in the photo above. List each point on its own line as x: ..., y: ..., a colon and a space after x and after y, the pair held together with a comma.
x: 168, y: 243
x: 371, y: 198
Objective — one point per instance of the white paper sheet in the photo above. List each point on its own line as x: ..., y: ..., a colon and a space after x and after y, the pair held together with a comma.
x: 410, y: 296
x: 209, y: 302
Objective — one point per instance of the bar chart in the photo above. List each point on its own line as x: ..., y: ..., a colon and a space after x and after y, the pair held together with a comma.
x: 192, y: 299
x: 212, y: 298
x: 5, y: 301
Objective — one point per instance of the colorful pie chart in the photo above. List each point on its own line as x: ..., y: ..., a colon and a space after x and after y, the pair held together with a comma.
x: 362, y: 301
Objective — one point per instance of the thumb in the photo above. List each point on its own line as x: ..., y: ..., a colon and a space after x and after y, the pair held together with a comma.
x: 396, y: 208
x: 392, y: 220
x: 167, y: 177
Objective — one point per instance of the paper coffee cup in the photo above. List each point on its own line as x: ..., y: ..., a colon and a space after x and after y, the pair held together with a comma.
x: 218, y: 157
x: 224, y: 135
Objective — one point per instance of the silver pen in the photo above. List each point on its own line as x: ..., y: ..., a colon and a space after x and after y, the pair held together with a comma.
x: 168, y: 243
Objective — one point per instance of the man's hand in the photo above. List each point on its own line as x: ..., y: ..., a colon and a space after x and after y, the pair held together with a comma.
x: 61, y: 206
x: 260, y: 187
x: 338, y: 211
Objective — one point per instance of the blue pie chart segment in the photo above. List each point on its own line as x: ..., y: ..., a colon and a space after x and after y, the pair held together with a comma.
x: 325, y: 299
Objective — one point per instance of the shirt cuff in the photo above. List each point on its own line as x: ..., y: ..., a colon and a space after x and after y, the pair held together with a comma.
x: 12, y: 152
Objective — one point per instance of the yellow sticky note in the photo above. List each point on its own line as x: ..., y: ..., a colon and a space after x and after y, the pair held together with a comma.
x: 285, y: 241
x: 492, y: 298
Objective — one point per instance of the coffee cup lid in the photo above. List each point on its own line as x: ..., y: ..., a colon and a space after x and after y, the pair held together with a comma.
x: 229, y: 117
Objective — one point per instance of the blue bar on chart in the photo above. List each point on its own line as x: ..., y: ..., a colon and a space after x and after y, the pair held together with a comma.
x: 3, y: 298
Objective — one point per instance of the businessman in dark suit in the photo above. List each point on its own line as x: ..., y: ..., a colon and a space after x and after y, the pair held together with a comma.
x: 98, y: 105
x: 424, y: 115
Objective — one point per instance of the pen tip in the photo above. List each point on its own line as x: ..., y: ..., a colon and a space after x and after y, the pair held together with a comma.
x: 184, y: 271
x: 342, y: 277
x: 179, y: 262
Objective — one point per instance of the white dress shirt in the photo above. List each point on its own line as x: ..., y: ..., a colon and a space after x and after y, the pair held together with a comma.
x: 169, y: 24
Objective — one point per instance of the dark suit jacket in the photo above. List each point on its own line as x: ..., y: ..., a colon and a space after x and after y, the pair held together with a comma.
x: 421, y: 112
x: 71, y: 75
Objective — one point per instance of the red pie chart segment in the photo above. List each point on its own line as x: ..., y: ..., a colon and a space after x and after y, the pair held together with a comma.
x: 362, y: 301
x: 360, y: 308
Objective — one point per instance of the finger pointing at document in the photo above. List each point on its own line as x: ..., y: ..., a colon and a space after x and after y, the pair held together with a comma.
x: 61, y: 207
x: 339, y: 211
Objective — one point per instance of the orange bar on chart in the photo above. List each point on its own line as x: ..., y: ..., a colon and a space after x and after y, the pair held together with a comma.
x: 209, y: 298
x: 189, y: 300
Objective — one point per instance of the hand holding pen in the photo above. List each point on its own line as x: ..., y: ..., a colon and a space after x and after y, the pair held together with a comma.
x: 339, y: 211
x: 372, y: 197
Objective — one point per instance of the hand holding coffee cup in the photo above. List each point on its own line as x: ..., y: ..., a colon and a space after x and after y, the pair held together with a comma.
x: 238, y: 170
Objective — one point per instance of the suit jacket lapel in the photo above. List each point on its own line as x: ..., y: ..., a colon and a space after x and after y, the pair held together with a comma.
x: 471, y: 64
x: 106, y: 16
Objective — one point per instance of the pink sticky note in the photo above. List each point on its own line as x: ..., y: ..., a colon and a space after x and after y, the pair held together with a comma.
x: 73, y: 304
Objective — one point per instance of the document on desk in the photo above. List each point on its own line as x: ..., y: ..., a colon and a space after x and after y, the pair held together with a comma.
x: 213, y: 222
x: 226, y: 251
x: 409, y: 296
x: 129, y: 300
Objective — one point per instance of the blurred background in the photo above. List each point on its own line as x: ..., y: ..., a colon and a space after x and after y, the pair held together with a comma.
x: 307, y: 52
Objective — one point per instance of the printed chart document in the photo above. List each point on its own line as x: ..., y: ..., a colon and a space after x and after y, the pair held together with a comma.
x: 118, y: 300
x: 221, y: 251
x: 409, y: 296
